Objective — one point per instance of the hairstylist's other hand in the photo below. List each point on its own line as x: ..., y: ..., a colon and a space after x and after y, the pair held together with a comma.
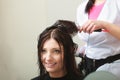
x: 90, y: 26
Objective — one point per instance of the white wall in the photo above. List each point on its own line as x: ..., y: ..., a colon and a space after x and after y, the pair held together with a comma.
x: 21, y: 21
x: 63, y: 9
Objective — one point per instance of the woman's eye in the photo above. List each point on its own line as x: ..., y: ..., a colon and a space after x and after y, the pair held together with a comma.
x: 57, y: 51
x: 43, y: 51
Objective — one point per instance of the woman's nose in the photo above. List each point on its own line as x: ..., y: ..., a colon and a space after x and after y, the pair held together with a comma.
x: 48, y: 56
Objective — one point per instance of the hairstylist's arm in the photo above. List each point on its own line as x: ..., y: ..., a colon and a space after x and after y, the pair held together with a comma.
x: 112, y: 29
x: 92, y: 25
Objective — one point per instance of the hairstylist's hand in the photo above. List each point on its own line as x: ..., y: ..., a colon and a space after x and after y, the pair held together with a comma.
x: 90, y: 26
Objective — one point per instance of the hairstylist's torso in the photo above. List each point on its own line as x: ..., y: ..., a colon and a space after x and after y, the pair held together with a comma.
x: 101, y: 43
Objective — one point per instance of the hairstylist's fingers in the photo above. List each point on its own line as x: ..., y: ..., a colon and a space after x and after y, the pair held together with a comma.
x: 81, y: 29
x: 88, y: 30
x: 92, y: 29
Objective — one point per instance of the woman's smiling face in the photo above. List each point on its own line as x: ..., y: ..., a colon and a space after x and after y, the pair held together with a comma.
x: 52, y: 58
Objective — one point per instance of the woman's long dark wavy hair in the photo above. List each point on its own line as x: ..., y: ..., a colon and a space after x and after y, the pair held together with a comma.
x: 61, y: 31
x: 89, y: 6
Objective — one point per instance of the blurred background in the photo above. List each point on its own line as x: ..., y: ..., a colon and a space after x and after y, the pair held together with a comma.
x: 21, y: 21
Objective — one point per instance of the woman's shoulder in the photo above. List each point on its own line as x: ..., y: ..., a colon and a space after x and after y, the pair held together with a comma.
x: 36, y: 78
x: 68, y: 77
x: 45, y: 77
x: 75, y: 77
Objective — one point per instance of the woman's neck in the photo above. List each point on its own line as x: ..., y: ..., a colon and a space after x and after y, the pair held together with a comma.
x: 57, y: 75
x: 97, y: 2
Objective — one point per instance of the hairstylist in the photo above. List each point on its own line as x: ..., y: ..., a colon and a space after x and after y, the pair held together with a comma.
x: 99, y: 22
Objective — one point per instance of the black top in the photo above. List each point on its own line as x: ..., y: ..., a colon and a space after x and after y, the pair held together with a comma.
x: 66, y: 77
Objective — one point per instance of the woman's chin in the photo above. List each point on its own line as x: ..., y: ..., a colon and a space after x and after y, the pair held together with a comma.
x: 50, y: 69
